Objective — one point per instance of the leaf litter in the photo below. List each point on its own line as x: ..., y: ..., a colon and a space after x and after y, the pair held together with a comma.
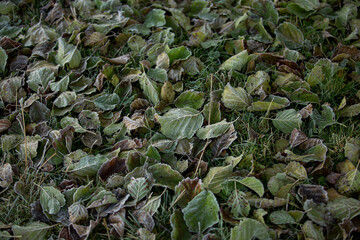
x: 179, y: 119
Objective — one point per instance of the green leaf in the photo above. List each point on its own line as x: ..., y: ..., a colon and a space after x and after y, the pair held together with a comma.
x: 164, y: 175
x: 138, y: 188
x: 201, y: 212
x: 287, y: 120
x: 107, y: 101
x: 254, y: 184
x: 69, y: 121
x: 298, y: 11
x: 136, y: 43
x: 312, y: 231
x: 318, y: 213
x: 250, y: 229
x: 179, y: 228
x: 3, y: 59
x: 346, y: 13
x: 158, y: 74
x: 216, y: 177
x: 179, y: 53
x: 344, y: 208
x: 39, y: 34
x: 150, y: 89
x: 281, y: 217
x: 290, y: 35
x: 235, y: 98
x: 61, y: 85
x: 181, y: 123
x: 236, y: 62
x: 155, y: 18
x: 213, y: 130
x: 352, y: 150
x: 215, y: 114
x: 51, y: 200
x: 326, y: 118
x: 40, y: 78
x: 88, y: 165
x: 190, y: 99
x: 270, y: 103
x: 33, y: 230
x: 238, y: 204
x: 67, y: 53
x: 308, y: 5
x: 253, y: 82
x: 65, y: 99
x: 261, y: 34
x: 351, y: 111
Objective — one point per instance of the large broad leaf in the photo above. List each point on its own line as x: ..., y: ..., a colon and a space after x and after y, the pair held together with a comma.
x: 216, y: 177
x: 212, y: 111
x: 51, y: 199
x: 107, y: 102
x: 254, y: 184
x: 281, y: 217
x: 181, y: 123
x: 343, y: 208
x: 3, y: 59
x: 236, y: 62
x: 250, y: 229
x: 164, y: 175
x: 67, y: 53
x: 213, y: 130
x: 287, y: 120
x: 308, y: 5
x: 290, y: 35
x: 201, y: 212
x: 34, y: 230
x: 270, y: 103
x: 346, y: 13
x: 179, y: 228
x: 235, y: 98
x: 89, y: 165
x: 351, y: 111
x: 253, y: 82
x: 65, y: 99
x: 352, y: 150
x: 155, y: 18
x: 190, y: 99
x: 150, y: 88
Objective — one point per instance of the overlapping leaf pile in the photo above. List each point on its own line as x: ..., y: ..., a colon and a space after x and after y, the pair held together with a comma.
x: 182, y: 120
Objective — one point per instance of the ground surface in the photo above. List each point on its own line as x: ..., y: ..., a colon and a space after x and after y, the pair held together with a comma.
x: 179, y: 119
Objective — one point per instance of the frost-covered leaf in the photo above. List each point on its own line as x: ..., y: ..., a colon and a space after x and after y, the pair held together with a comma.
x: 281, y: 217
x: 155, y: 18
x: 150, y: 88
x: 287, y: 120
x: 179, y: 53
x: 236, y: 62
x: 201, y: 212
x: 249, y: 229
x: 107, y: 102
x: 254, y: 184
x: 190, y: 99
x: 3, y: 59
x: 216, y: 177
x: 164, y: 175
x: 51, y: 199
x: 213, y: 130
x: 238, y: 204
x: 235, y: 98
x: 32, y: 230
x: 138, y: 188
x: 290, y: 35
x: 179, y: 123
x: 67, y: 53
x: 88, y: 165
x: 325, y: 118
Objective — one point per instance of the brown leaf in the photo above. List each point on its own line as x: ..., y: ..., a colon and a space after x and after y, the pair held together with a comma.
x: 139, y: 104
x: 6, y: 175
x: 311, y: 142
x: 145, y: 219
x: 7, y: 43
x: 118, y: 60
x: 306, y: 111
x: 297, y: 137
x: 37, y: 212
x: 115, y: 165
x: 99, y: 81
x: 117, y: 222
x: 347, y: 52
x: 314, y: 192
x: 133, y: 124
x: 223, y: 142
x: 81, y: 231
x: 4, y: 125
x: 128, y: 144
x: 19, y: 63
x: 187, y: 189
x: 56, y: 14
x: 90, y: 139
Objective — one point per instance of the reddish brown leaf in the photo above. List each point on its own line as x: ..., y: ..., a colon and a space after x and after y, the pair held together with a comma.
x: 128, y: 144
x: 115, y: 165
x: 4, y: 125
x: 310, y: 143
x: 314, y: 192
x: 297, y: 137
